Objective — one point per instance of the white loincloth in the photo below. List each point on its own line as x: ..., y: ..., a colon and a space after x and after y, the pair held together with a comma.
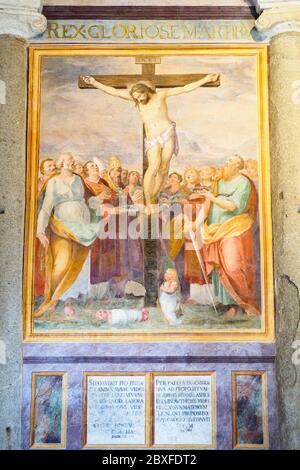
x: 163, y: 138
x: 123, y: 317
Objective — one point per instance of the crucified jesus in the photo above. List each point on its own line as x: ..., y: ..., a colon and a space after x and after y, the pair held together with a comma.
x: 161, y: 139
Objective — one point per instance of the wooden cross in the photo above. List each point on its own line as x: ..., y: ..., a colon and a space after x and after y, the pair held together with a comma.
x: 148, y: 73
x: 148, y: 63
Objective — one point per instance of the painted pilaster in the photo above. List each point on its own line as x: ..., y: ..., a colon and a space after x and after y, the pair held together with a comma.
x: 280, y: 23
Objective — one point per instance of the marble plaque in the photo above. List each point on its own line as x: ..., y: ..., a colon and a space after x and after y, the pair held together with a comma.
x: 184, y: 410
x: 115, y: 410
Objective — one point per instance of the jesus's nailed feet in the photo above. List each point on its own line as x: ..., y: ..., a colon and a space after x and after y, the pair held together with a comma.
x: 152, y: 209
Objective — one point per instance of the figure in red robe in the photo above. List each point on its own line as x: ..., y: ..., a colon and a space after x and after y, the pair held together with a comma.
x: 229, y: 240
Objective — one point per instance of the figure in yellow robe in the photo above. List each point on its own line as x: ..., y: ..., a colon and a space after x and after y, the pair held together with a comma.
x: 66, y: 227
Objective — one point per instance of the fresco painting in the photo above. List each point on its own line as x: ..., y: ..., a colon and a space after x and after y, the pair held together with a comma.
x: 147, y: 194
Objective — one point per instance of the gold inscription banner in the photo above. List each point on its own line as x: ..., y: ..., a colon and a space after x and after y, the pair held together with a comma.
x: 148, y: 31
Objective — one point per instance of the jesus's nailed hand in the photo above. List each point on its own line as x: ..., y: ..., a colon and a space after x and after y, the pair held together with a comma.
x: 213, y: 77
x: 89, y: 80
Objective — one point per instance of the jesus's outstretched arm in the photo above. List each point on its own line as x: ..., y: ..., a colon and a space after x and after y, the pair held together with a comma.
x: 110, y: 90
x: 213, y: 77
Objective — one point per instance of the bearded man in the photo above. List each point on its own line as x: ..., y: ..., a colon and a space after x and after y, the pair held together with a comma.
x: 228, y: 239
x: 113, y: 177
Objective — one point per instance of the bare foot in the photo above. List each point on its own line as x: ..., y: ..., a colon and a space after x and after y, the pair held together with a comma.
x: 152, y: 209
x: 252, y: 312
x: 231, y: 313
x: 148, y: 210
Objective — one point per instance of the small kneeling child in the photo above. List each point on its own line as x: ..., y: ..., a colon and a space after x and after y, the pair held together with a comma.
x: 168, y: 297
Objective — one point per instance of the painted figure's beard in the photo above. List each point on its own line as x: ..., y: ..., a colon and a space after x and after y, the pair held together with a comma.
x: 229, y: 172
x: 145, y: 101
x: 117, y: 180
x: 207, y: 182
x: 69, y: 167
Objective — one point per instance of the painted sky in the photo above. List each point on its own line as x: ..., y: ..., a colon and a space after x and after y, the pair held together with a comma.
x: 212, y: 123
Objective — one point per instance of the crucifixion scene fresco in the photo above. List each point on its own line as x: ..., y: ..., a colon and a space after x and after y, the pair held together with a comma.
x: 147, y: 204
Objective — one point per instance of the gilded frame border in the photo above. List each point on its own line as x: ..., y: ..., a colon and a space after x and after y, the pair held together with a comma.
x: 265, y: 444
x: 260, y: 52
x: 63, y: 443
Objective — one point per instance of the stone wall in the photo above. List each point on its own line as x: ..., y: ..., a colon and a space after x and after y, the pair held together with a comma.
x: 13, y: 66
x: 285, y: 168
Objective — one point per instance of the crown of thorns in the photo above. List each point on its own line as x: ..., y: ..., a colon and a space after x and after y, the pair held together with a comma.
x: 144, y: 83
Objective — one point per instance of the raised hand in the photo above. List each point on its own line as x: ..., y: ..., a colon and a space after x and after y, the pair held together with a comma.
x: 137, y: 197
x: 104, y: 195
x: 207, y: 194
x: 89, y: 80
x: 213, y: 77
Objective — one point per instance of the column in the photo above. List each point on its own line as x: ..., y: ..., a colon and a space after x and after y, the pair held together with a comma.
x: 17, y: 24
x: 281, y: 25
